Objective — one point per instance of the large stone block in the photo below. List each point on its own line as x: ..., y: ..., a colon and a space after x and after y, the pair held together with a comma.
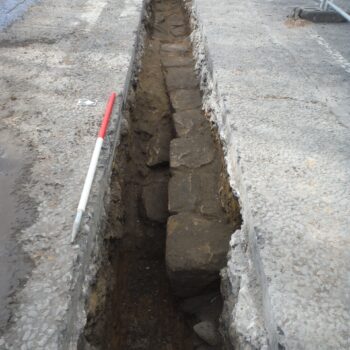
x: 176, y: 20
x: 178, y: 31
x: 196, y: 190
x: 196, y: 250
x: 175, y: 61
x: 180, y: 78
x: 184, y: 192
x: 182, y: 100
x: 190, y: 121
x: 209, y: 203
x: 191, y: 152
x: 177, y: 48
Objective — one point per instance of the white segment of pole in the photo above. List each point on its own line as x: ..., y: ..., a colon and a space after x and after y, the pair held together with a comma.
x: 87, y: 187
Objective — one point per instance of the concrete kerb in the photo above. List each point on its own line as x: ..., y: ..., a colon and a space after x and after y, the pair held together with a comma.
x: 260, y: 331
x: 90, y: 238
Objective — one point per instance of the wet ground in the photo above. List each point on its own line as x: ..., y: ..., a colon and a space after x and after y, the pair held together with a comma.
x: 15, y: 213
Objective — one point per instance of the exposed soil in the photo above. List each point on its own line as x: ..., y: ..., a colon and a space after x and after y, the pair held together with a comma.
x: 132, y: 305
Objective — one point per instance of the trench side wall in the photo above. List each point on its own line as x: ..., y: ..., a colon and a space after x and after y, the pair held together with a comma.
x: 243, y: 280
x: 90, y: 239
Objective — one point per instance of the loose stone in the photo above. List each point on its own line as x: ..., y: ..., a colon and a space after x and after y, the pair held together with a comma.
x: 176, y: 20
x: 207, y: 331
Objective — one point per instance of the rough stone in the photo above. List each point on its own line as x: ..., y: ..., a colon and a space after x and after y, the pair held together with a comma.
x: 154, y: 199
x: 187, y: 122
x: 196, y: 190
x: 191, y: 152
x: 176, y: 21
x: 178, y: 48
x: 207, y: 331
x: 160, y: 32
x: 210, y: 204
x: 183, y: 192
x: 159, y: 145
x: 185, y: 99
x: 173, y: 61
x: 196, y: 250
x: 180, y: 78
x: 178, y: 31
x: 159, y: 18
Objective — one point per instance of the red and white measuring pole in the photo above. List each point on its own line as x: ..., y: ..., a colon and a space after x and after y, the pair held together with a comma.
x: 92, y: 167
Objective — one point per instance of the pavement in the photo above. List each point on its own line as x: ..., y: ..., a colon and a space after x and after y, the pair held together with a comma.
x: 58, y: 53
x: 279, y: 91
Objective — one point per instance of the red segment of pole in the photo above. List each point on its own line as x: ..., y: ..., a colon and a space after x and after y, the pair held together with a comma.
x: 107, y: 116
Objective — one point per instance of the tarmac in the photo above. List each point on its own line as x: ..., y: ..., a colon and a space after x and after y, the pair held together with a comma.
x: 278, y: 90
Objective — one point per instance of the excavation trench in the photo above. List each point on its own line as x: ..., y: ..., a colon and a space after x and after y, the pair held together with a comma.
x: 172, y: 211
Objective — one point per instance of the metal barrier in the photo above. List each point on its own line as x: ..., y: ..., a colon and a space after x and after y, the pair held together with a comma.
x: 326, y: 4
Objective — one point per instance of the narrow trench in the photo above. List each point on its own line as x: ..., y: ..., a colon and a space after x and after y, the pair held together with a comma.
x: 172, y: 211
